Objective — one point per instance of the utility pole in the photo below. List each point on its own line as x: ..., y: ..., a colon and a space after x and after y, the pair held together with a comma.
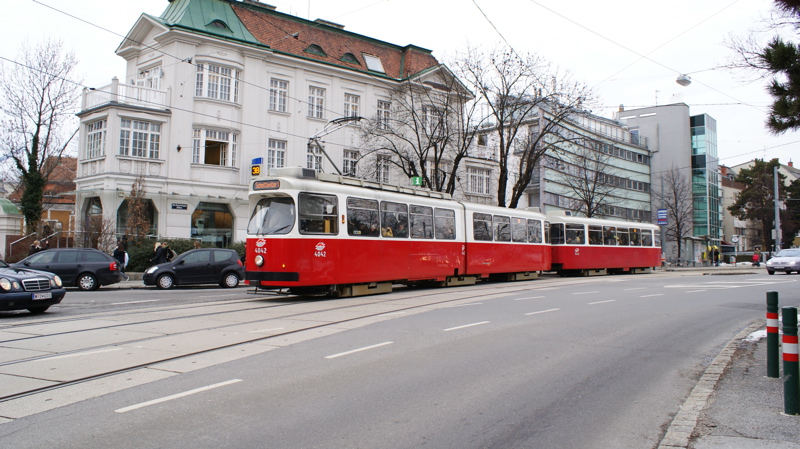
x: 777, y: 209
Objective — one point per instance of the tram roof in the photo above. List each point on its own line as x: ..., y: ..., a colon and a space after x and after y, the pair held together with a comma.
x: 311, y: 174
x: 561, y: 217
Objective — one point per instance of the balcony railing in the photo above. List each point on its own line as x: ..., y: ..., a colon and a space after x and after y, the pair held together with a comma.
x: 128, y: 94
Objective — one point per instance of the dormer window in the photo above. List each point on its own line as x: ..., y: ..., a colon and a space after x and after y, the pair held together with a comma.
x: 218, y: 24
x: 315, y: 49
x: 349, y: 57
x: 373, y: 63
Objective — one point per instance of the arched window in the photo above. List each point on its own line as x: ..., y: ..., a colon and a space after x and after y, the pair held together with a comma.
x: 349, y: 57
x: 316, y: 50
x: 212, y: 223
x: 133, y: 219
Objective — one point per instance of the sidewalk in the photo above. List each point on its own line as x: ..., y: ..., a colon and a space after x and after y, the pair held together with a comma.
x: 736, y: 406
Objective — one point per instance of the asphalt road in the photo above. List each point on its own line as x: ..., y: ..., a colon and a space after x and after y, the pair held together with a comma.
x: 574, y: 363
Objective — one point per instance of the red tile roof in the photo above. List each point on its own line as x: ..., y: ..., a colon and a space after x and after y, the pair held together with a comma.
x: 293, y: 35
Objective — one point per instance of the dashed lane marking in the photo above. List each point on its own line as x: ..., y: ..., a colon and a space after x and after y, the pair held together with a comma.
x: 176, y: 396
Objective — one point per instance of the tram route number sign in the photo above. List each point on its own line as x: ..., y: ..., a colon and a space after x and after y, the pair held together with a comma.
x: 255, y: 166
x: 662, y: 217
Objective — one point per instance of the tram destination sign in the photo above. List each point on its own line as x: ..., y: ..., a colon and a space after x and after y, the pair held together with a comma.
x: 273, y: 184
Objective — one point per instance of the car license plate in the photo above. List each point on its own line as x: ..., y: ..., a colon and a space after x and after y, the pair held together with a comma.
x: 45, y: 295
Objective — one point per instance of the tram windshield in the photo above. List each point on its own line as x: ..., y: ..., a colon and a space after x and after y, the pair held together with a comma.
x: 274, y: 215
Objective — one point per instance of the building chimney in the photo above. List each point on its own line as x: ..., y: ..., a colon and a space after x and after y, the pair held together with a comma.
x: 622, y: 108
x: 791, y: 164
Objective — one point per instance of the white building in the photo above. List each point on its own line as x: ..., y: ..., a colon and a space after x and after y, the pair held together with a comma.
x: 211, y: 85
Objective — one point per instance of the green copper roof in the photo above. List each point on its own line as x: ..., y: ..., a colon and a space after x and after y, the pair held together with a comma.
x: 209, y: 16
x: 8, y: 207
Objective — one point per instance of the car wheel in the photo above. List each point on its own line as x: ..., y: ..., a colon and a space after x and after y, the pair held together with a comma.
x: 87, y: 282
x: 770, y: 272
x: 230, y: 280
x: 38, y: 310
x: 165, y: 282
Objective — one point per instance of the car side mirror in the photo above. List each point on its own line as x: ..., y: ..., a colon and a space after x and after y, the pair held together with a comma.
x: 181, y: 262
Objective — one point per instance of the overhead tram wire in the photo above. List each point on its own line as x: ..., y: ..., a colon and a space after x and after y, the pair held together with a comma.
x: 641, y: 55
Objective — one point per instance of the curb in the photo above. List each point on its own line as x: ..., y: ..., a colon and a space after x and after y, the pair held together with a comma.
x: 682, y: 426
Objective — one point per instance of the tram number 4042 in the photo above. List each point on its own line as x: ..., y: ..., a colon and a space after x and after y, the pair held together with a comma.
x: 319, y: 250
x: 320, y: 254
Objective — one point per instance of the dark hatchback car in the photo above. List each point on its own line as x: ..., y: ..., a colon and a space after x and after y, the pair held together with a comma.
x: 28, y: 289
x: 85, y: 268
x: 198, y: 266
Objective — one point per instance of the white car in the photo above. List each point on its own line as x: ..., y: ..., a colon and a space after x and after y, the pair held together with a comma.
x: 786, y: 260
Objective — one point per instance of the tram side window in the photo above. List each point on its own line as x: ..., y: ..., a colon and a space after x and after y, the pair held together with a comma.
x: 273, y: 215
x: 623, y: 237
x: 609, y: 235
x: 362, y: 217
x: 647, y: 237
x: 535, y: 231
x: 595, y: 235
x: 557, y: 234
x: 421, y: 222
x: 576, y: 235
x: 635, y: 237
x: 502, y: 228
x: 445, y: 223
x: 317, y: 214
x: 482, y: 226
x: 519, y: 230
x: 546, y: 231
x: 394, y: 219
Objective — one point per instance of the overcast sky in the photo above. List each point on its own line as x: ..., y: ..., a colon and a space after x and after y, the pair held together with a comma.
x: 630, y: 52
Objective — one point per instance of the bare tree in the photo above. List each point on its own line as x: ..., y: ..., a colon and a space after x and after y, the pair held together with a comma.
x: 676, y: 197
x: 527, y: 100
x: 37, y: 98
x: 590, y: 176
x: 138, y: 224
x: 97, y: 231
x: 423, y: 130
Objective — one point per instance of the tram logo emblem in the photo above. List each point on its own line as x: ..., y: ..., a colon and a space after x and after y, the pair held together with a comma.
x: 320, y: 250
x: 320, y: 246
x: 577, y: 251
x: 261, y: 242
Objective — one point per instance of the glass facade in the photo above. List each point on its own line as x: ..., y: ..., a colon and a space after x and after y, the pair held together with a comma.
x: 705, y: 178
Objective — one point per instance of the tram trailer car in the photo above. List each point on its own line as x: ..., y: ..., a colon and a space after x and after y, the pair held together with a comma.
x: 316, y: 233
x: 590, y: 246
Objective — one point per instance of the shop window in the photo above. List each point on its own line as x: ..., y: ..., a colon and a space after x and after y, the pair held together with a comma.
x: 212, y: 224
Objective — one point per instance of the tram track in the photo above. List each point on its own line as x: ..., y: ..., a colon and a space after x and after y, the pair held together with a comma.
x: 436, y: 296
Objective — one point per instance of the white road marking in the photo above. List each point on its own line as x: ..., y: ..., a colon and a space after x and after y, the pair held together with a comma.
x: 601, y: 302
x: 585, y: 293
x: 359, y: 350
x: 78, y: 354
x: 134, y: 302
x: 176, y: 396
x: 648, y: 296
x: 542, y: 311
x: 466, y: 325
x: 217, y: 296
x: 530, y: 297
x: 695, y: 291
x: 637, y: 288
x: 266, y: 330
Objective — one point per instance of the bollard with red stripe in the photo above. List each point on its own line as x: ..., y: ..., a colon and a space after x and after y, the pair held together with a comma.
x: 791, y: 385
x: 773, y: 340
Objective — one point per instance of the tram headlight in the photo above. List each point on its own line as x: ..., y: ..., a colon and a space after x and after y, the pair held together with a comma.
x: 259, y: 260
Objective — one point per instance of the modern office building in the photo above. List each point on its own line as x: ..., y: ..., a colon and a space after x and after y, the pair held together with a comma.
x: 687, y: 143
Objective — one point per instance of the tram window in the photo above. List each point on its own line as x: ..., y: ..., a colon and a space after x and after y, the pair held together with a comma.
x: 535, y: 231
x: 647, y: 237
x: 519, y: 230
x: 482, y: 226
x: 502, y: 228
x: 445, y: 223
x: 317, y: 214
x: 362, y: 217
x: 576, y: 235
x: 595, y: 235
x: 635, y: 237
x: 623, y: 237
x: 394, y: 219
x: 657, y: 239
x: 557, y: 234
x: 609, y: 235
x: 273, y: 215
x: 421, y: 222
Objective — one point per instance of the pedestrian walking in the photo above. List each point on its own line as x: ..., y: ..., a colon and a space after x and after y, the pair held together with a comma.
x: 122, y: 259
x: 158, y: 254
x: 35, y: 248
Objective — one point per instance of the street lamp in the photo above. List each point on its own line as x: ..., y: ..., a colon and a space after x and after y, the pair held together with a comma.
x: 331, y: 126
x: 683, y: 80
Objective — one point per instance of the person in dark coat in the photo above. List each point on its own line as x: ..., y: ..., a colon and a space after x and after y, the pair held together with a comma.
x: 35, y: 248
x: 159, y: 255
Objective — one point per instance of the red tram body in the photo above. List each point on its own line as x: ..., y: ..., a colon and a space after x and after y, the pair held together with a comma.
x: 594, y: 246
x: 328, y: 234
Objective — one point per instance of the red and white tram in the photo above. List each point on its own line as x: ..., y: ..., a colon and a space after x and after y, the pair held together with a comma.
x: 592, y: 246
x: 316, y: 233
